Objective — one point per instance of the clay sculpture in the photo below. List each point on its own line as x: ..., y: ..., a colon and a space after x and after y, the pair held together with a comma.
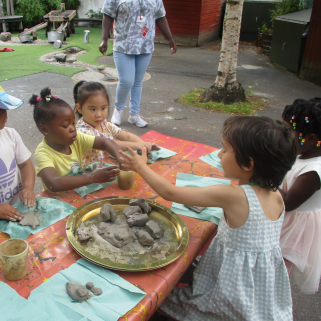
x: 29, y: 219
x: 131, y: 210
x: 83, y: 232
x: 137, y: 220
x: 96, y: 291
x: 77, y: 292
x: 144, y: 238
x: 141, y: 203
x: 107, y: 213
x: 89, y: 285
x: 154, y: 229
x: 196, y: 209
x: 115, y: 235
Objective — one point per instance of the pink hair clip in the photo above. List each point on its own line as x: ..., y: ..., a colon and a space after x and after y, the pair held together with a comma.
x: 55, y: 96
x: 38, y: 98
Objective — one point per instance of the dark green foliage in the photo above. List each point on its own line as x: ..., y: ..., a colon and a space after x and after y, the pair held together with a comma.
x: 34, y: 10
x: 285, y: 7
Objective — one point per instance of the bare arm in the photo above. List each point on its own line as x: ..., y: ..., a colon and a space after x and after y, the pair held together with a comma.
x: 57, y: 183
x: 106, y: 26
x: 163, y: 26
x: 212, y: 196
x: 303, y: 188
x: 108, y: 145
x: 27, y: 195
x: 125, y: 139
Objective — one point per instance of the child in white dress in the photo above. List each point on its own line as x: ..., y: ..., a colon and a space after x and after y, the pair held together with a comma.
x: 92, y: 105
x: 242, y: 275
x: 301, y: 232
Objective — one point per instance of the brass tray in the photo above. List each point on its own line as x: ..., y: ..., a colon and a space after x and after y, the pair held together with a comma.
x: 98, y: 251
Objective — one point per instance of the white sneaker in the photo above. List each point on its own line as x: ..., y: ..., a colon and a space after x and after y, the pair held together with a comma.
x: 116, y: 118
x: 137, y: 120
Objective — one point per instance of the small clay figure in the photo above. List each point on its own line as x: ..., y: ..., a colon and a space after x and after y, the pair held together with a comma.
x: 131, y: 210
x: 144, y: 238
x: 116, y: 235
x: 137, y: 220
x: 196, y: 209
x: 141, y: 203
x: 29, y: 219
x: 77, y: 292
x: 96, y: 291
x: 154, y: 229
x: 83, y: 232
x: 107, y: 213
x: 89, y: 285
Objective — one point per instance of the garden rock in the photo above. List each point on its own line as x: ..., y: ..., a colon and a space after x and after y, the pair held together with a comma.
x: 5, y: 36
x: 101, y: 67
x: 60, y: 57
x: 71, y: 60
x: 50, y: 60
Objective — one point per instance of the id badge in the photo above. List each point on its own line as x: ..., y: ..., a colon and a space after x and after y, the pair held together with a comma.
x: 141, y: 21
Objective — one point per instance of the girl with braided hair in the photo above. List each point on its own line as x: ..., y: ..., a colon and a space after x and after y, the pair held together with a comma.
x: 301, y: 231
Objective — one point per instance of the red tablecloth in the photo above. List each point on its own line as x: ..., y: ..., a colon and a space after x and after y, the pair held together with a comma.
x: 50, y: 251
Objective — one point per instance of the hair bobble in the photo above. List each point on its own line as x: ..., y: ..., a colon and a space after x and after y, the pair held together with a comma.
x: 55, y: 96
x: 38, y: 98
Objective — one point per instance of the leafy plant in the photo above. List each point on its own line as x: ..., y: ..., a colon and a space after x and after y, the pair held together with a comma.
x: 285, y: 7
x: 33, y: 11
x: 91, y: 14
x: 265, y: 29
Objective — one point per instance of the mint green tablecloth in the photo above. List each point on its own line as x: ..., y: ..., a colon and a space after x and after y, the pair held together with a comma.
x: 213, y: 160
x: 14, y: 307
x: 212, y: 214
x: 48, y: 212
x: 84, y: 190
x: 118, y: 297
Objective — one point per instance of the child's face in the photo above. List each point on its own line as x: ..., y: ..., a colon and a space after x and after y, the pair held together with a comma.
x: 61, y: 130
x: 3, y: 118
x: 228, y: 161
x: 94, y: 110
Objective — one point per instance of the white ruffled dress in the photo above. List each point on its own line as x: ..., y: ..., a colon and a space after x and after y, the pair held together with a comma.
x: 300, y: 240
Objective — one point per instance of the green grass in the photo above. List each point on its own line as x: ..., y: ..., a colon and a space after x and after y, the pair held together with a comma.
x: 248, y: 107
x: 24, y: 60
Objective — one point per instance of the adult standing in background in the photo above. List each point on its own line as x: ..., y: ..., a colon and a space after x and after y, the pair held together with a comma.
x: 134, y: 33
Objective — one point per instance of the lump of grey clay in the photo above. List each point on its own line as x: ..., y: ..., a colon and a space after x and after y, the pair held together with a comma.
x: 196, y: 209
x: 137, y: 220
x: 141, y: 203
x: 116, y: 235
x: 154, y: 229
x: 96, y: 291
x: 107, y: 213
x: 83, y: 232
x: 77, y: 292
x: 89, y: 285
x: 131, y: 210
x: 29, y: 219
x: 102, y: 227
x: 144, y: 238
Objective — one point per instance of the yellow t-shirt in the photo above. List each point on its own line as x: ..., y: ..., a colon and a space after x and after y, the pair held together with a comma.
x: 45, y: 156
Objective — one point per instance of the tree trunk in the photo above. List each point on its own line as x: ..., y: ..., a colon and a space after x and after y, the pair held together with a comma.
x: 226, y: 89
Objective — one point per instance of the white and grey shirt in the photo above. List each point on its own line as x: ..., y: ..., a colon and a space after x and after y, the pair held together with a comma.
x: 128, y: 37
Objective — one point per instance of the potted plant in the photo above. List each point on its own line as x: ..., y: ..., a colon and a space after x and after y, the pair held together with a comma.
x: 265, y: 33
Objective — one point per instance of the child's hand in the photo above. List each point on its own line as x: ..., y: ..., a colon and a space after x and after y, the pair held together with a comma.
x: 151, y: 146
x: 104, y: 175
x: 10, y: 213
x: 132, y: 163
x: 28, y: 197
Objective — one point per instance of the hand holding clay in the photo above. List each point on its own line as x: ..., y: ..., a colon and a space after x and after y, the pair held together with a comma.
x: 132, y: 163
x: 10, y: 213
x: 28, y: 197
x: 103, y: 175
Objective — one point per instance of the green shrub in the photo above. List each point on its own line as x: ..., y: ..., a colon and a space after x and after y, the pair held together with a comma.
x: 287, y: 6
x: 34, y: 10
x: 91, y: 14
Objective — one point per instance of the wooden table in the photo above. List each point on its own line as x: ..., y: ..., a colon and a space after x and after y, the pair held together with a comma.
x: 11, y: 19
x: 50, y: 251
x: 61, y: 16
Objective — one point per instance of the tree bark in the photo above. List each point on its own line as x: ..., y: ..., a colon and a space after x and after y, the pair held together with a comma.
x: 226, y: 88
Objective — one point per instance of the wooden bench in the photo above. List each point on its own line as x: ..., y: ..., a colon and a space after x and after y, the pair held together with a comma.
x: 93, y: 22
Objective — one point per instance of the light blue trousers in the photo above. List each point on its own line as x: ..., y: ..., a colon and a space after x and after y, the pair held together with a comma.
x: 131, y: 71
